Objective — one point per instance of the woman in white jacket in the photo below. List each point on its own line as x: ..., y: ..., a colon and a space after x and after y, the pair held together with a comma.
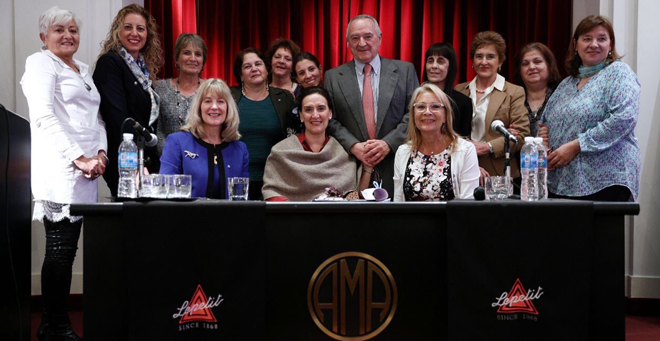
x: 68, y: 155
x: 435, y: 164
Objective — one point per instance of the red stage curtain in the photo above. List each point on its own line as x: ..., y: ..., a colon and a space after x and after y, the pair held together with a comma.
x: 408, y: 26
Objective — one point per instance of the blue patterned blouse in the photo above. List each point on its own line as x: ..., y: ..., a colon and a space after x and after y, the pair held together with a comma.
x: 602, y: 116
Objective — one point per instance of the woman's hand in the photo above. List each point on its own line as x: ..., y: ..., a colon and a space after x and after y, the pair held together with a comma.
x: 88, y: 166
x: 512, y: 129
x: 482, y: 176
x: 563, y: 155
x: 481, y: 147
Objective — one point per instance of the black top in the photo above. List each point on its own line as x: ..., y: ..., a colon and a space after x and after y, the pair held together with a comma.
x: 122, y: 96
x: 462, y: 108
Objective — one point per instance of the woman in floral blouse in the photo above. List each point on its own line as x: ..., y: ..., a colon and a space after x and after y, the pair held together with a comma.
x: 435, y: 164
x: 591, y: 120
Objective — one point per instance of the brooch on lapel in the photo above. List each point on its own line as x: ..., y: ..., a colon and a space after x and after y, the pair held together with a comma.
x: 190, y: 154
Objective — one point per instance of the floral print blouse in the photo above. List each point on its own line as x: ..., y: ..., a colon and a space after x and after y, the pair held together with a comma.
x: 602, y: 116
x: 428, y: 177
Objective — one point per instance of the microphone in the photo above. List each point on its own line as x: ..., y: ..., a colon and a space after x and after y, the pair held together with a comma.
x: 498, y: 127
x: 479, y: 194
x: 150, y: 139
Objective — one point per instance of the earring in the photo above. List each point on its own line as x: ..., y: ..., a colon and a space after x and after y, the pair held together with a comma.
x: 443, y: 129
x: 177, y: 65
x: 609, y: 53
x: 499, y: 69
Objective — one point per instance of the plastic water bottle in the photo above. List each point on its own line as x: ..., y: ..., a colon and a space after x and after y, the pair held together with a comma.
x: 529, y: 168
x: 128, y: 168
x: 543, y: 168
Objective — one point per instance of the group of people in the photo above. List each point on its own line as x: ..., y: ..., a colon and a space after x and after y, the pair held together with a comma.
x: 295, y: 130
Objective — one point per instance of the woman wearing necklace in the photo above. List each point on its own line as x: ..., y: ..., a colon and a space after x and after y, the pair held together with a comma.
x: 591, y: 120
x: 127, y: 65
x: 208, y: 146
x: 493, y: 98
x: 435, y: 164
x: 68, y: 156
x: 176, y: 94
x: 537, y: 73
x: 265, y: 113
x: 280, y: 55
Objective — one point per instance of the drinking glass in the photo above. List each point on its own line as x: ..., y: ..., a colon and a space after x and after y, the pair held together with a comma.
x: 180, y: 186
x: 238, y: 188
x: 498, y: 187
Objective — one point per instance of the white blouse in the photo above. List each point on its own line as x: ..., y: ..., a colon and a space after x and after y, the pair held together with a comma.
x: 481, y: 107
x: 65, y: 123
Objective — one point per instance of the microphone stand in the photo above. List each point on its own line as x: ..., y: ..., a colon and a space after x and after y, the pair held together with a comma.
x: 140, y: 145
x: 507, y: 157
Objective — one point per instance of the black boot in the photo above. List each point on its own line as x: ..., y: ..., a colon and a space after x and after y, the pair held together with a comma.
x: 61, y: 245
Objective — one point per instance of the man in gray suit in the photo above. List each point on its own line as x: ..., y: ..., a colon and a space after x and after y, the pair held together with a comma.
x: 371, y: 126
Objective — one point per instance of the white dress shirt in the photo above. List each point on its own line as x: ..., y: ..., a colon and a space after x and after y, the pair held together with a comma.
x: 481, y: 107
x: 65, y: 124
x: 375, y: 79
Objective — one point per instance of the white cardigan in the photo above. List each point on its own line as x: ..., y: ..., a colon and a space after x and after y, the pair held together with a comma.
x: 65, y: 123
x: 464, y: 167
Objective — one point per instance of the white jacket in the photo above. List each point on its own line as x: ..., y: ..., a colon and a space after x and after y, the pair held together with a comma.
x: 65, y: 123
x: 464, y: 167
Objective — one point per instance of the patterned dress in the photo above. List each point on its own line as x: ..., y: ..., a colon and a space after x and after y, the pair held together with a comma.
x: 174, y: 109
x: 602, y: 116
x: 428, y: 177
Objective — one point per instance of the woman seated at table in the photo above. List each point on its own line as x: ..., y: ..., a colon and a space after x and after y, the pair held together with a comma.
x: 434, y: 164
x: 208, y: 147
x: 440, y: 69
x: 308, y: 70
x: 300, y: 167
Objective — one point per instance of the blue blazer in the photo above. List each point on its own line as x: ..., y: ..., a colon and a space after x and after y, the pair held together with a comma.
x: 185, y: 154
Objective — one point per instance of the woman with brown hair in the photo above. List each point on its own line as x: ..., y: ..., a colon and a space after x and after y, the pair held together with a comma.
x: 493, y: 98
x: 176, y: 94
x: 537, y: 72
x: 591, y: 120
x: 280, y: 56
x: 125, y: 70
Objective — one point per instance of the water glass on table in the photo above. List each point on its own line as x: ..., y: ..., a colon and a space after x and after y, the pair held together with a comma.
x: 498, y: 187
x: 180, y: 186
x: 238, y: 188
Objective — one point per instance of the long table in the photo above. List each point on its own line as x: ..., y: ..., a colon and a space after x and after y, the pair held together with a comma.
x: 463, y: 270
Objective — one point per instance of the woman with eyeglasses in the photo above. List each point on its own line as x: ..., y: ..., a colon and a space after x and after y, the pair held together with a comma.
x: 435, y: 164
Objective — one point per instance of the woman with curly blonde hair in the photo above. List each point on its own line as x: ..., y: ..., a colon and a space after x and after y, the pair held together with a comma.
x: 125, y: 69
x: 208, y: 147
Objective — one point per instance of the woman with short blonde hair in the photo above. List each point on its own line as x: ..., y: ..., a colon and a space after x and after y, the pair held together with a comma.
x: 208, y: 146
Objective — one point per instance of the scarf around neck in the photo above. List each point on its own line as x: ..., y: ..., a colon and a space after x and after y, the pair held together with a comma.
x: 141, y: 73
x: 588, y: 71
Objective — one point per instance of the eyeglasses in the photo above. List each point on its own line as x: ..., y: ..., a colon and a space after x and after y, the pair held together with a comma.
x: 433, y: 107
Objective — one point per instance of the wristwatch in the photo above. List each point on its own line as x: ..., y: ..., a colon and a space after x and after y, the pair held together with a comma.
x: 490, y: 148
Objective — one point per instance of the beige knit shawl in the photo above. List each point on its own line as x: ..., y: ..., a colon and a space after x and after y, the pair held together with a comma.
x: 300, y: 175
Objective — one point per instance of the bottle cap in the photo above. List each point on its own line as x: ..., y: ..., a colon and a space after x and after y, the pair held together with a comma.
x: 538, y: 140
x: 529, y: 139
x: 128, y: 136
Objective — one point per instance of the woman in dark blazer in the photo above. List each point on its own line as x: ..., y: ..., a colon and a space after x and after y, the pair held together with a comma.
x: 265, y: 113
x: 440, y: 69
x: 125, y: 69
x: 493, y: 98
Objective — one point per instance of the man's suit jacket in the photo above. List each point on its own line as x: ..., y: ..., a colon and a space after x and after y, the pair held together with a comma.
x: 122, y: 97
x: 507, y: 106
x: 398, y: 80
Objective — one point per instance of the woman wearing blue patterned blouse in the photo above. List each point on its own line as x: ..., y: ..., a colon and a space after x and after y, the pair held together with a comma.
x: 591, y: 120
x: 435, y: 164
x: 207, y: 147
